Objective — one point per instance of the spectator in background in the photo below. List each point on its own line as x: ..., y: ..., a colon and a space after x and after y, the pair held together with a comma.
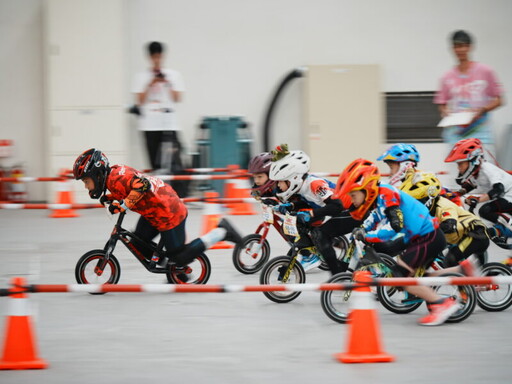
x: 469, y: 86
x: 157, y: 91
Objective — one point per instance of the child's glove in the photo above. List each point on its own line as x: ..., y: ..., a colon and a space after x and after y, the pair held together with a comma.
x: 105, y: 199
x: 303, y: 217
x: 284, y: 208
x: 270, y: 202
x: 117, y: 207
x: 359, y: 233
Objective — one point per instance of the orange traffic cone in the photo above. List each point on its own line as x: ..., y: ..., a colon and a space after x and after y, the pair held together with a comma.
x: 20, y: 350
x: 229, y: 193
x: 211, y: 217
x: 64, y: 196
x: 241, y: 192
x: 364, y: 334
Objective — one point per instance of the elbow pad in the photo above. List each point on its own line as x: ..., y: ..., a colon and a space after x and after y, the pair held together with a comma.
x: 448, y: 226
x: 497, y: 190
x: 396, y: 218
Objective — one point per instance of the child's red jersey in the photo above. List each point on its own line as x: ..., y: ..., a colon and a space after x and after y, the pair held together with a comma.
x: 160, y: 205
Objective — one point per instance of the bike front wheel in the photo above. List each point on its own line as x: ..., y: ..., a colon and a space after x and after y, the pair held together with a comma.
x: 87, y: 269
x: 197, y: 272
x: 275, y: 273
x: 336, y: 304
x: 251, y: 254
x: 494, y: 297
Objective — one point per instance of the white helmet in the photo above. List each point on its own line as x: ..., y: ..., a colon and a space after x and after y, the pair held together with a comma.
x: 291, y: 168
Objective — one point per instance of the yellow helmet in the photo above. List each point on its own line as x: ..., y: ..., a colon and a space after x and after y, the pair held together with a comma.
x: 422, y: 186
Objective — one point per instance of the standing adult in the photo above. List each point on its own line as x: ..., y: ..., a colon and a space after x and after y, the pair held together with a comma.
x: 469, y: 86
x: 157, y: 91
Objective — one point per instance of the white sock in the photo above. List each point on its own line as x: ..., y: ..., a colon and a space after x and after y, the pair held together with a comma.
x: 212, y: 237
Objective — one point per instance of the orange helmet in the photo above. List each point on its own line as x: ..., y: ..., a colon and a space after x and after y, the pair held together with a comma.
x: 360, y: 175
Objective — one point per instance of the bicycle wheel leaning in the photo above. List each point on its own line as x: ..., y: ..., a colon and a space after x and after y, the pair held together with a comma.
x: 87, y: 272
x: 336, y: 304
x: 197, y: 272
x: 250, y: 256
x: 275, y: 273
x: 494, y: 297
x: 466, y: 295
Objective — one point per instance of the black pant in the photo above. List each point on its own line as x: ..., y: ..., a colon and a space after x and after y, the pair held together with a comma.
x: 154, y: 142
x: 173, y: 239
x: 490, y: 210
x: 324, y: 235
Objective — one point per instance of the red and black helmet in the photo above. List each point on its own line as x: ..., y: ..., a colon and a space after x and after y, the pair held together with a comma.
x: 94, y: 164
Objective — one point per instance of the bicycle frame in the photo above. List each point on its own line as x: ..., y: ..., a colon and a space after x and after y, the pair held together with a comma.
x: 276, y: 221
x: 125, y: 236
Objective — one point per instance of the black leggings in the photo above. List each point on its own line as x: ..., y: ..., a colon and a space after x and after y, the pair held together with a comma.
x: 490, y: 210
x: 476, y: 241
x: 173, y: 240
x: 324, y: 235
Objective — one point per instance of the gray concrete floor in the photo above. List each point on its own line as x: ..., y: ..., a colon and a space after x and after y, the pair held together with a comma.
x: 217, y: 338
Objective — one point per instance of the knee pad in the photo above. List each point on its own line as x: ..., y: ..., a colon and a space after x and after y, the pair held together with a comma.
x: 486, y: 211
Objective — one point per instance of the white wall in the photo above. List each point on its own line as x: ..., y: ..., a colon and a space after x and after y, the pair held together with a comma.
x: 21, y: 86
x: 233, y: 53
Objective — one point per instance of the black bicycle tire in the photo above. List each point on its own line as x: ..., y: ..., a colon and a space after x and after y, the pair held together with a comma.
x: 202, y: 258
x: 326, y: 298
x: 278, y: 297
x: 256, y: 267
x: 87, y: 258
x: 484, y: 304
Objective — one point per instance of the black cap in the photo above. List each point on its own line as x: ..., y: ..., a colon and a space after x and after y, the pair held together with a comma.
x: 461, y: 37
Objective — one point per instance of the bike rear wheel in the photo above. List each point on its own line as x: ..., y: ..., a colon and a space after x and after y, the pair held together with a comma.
x: 336, y: 304
x: 251, y: 254
x: 87, y: 273
x: 464, y: 293
x: 197, y: 272
x: 494, y: 297
x: 270, y: 275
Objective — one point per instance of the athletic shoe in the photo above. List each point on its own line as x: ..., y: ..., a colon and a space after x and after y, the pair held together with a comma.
x: 182, y: 273
x: 310, y: 262
x: 232, y: 234
x: 439, y: 313
x: 471, y: 267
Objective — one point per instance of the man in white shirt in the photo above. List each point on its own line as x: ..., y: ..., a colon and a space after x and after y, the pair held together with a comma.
x: 157, y: 91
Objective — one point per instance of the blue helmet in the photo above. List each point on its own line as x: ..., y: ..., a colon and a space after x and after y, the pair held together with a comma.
x: 401, y: 152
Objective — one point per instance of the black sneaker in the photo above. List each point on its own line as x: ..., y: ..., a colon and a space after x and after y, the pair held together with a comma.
x: 231, y: 233
x: 181, y: 273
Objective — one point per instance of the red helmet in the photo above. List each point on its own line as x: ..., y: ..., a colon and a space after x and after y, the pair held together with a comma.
x: 261, y: 164
x: 467, y: 150
x: 360, y: 175
x: 94, y: 164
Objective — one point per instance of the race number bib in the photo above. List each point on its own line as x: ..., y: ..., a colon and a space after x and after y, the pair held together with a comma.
x: 268, y: 214
x: 290, y: 225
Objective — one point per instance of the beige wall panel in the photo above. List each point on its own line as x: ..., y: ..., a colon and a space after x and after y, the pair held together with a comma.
x: 344, y: 115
